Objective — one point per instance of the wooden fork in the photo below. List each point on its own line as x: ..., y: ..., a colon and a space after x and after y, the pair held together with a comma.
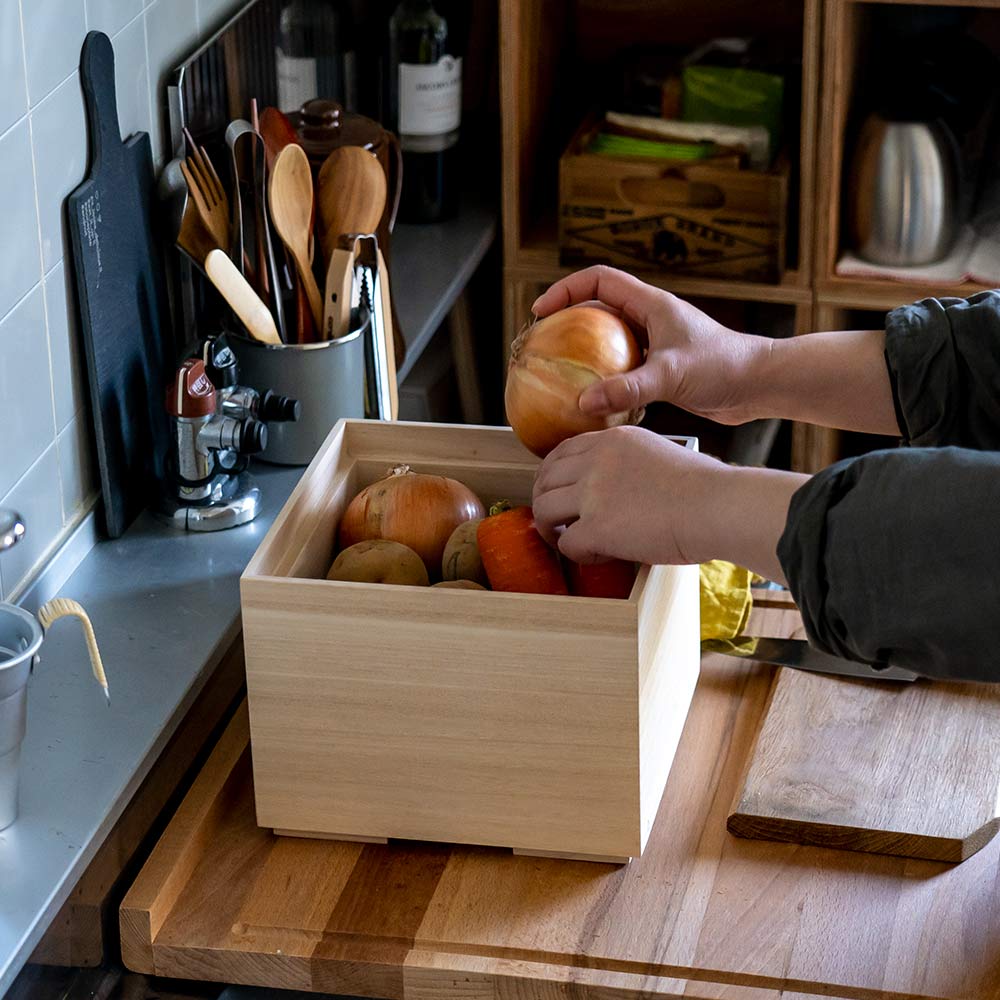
x: 204, y: 236
x: 204, y: 184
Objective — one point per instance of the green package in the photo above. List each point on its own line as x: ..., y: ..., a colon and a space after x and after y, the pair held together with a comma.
x: 733, y: 96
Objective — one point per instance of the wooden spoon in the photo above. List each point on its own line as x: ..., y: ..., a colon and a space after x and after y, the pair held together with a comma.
x: 290, y: 196
x: 277, y: 131
x: 352, y: 193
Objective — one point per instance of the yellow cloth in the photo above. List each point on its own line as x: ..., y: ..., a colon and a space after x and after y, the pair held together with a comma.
x: 726, y: 602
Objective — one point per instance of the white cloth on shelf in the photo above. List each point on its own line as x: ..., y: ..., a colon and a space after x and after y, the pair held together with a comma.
x: 975, y: 257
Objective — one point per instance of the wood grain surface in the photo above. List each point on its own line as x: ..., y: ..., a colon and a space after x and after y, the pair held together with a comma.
x: 701, y: 914
x: 909, y: 769
x: 531, y: 721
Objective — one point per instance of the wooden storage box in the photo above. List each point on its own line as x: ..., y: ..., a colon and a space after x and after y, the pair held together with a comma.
x: 694, y: 219
x: 545, y: 724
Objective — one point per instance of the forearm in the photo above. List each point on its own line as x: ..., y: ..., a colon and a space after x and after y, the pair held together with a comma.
x: 831, y: 379
x: 742, y: 517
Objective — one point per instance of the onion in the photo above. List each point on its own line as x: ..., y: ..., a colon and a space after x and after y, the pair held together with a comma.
x: 411, y: 508
x: 553, y: 361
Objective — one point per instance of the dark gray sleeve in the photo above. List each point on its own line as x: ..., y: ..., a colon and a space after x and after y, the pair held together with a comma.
x: 943, y: 357
x: 895, y: 556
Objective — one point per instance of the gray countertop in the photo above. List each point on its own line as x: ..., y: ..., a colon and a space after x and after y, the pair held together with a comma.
x: 164, y: 605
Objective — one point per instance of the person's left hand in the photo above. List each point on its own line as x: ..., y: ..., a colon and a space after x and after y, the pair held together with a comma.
x: 627, y: 493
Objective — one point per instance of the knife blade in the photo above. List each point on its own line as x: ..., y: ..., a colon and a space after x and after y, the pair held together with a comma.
x: 798, y: 654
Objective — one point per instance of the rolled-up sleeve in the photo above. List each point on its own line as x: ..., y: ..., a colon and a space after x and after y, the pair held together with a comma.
x: 943, y: 357
x: 895, y: 557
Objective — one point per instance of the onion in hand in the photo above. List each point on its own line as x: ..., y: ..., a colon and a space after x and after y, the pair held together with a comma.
x: 553, y: 361
x: 412, y: 508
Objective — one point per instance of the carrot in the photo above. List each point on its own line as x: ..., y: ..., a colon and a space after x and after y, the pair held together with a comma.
x: 607, y: 579
x: 515, y: 557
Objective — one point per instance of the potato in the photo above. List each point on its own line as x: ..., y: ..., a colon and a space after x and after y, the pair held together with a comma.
x: 379, y: 561
x: 460, y: 585
x: 461, y: 555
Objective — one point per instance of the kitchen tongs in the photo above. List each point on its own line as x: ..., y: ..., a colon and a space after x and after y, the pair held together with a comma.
x: 357, y: 285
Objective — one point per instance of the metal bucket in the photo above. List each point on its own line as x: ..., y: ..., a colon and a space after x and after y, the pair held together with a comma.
x: 327, y: 378
x: 20, y: 637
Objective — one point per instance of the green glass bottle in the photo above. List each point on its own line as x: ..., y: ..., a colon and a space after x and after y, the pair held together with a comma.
x: 425, y: 109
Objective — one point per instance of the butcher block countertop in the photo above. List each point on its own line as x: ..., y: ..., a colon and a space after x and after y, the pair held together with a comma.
x: 701, y: 914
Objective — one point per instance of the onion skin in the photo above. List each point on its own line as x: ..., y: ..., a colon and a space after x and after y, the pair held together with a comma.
x: 414, y: 509
x: 553, y: 361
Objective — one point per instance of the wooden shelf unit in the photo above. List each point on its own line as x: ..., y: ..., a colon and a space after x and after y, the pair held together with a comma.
x: 533, y: 95
x: 845, y: 56
x: 534, y: 82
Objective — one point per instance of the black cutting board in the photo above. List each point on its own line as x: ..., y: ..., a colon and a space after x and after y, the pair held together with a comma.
x: 122, y: 297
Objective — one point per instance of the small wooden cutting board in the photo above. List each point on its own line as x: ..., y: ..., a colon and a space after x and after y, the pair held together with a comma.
x: 905, y: 769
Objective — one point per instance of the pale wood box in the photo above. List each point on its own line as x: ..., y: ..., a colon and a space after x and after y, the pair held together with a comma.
x: 541, y: 723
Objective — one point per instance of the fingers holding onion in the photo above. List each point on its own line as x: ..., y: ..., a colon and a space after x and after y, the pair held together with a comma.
x: 551, y: 364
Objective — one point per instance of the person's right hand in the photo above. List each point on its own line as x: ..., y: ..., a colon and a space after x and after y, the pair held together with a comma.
x: 692, y: 361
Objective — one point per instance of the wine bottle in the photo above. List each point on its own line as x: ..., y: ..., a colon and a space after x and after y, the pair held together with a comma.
x: 315, y: 54
x: 425, y: 109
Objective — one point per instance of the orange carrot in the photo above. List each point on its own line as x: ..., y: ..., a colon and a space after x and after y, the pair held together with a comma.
x: 515, y: 557
x: 607, y: 579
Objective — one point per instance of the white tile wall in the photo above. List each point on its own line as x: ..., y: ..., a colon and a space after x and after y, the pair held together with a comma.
x: 47, y: 464
x: 13, y: 86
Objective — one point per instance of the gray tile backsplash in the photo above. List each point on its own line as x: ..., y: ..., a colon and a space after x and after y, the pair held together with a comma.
x: 110, y: 16
x: 38, y: 498
x: 48, y: 468
x: 53, y: 31
x: 26, y: 421
x: 77, y: 468
x: 13, y: 90
x: 168, y: 39
x: 20, y: 262
x: 59, y: 143
x: 69, y: 376
x: 132, y: 78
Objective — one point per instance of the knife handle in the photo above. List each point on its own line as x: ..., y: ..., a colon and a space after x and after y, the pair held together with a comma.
x: 245, y: 302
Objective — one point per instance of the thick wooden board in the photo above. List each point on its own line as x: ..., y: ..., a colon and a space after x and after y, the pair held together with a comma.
x: 701, y: 914
x: 908, y: 769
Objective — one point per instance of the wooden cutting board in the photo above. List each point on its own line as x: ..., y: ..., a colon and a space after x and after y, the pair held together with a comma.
x: 122, y: 299
x: 906, y: 769
x: 701, y: 915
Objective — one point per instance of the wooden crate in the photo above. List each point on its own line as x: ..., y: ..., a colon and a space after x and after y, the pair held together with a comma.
x: 695, y: 219
x: 545, y: 724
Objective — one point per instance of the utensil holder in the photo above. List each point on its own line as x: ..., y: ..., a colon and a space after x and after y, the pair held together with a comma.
x: 328, y: 379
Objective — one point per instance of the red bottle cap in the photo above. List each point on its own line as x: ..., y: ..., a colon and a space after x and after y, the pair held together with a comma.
x: 192, y: 394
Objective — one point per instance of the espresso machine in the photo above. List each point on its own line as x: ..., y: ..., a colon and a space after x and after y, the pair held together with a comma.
x: 216, y: 424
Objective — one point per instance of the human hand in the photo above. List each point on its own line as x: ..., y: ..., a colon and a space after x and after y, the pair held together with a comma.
x: 693, y: 361
x: 628, y: 493
x: 625, y: 493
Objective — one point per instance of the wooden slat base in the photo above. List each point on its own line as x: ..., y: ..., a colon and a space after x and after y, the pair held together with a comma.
x: 606, y: 859
x: 350, y: 838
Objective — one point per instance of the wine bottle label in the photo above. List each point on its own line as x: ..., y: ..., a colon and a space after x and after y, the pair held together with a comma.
x: 297, y: 80
x: 430, y: 97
